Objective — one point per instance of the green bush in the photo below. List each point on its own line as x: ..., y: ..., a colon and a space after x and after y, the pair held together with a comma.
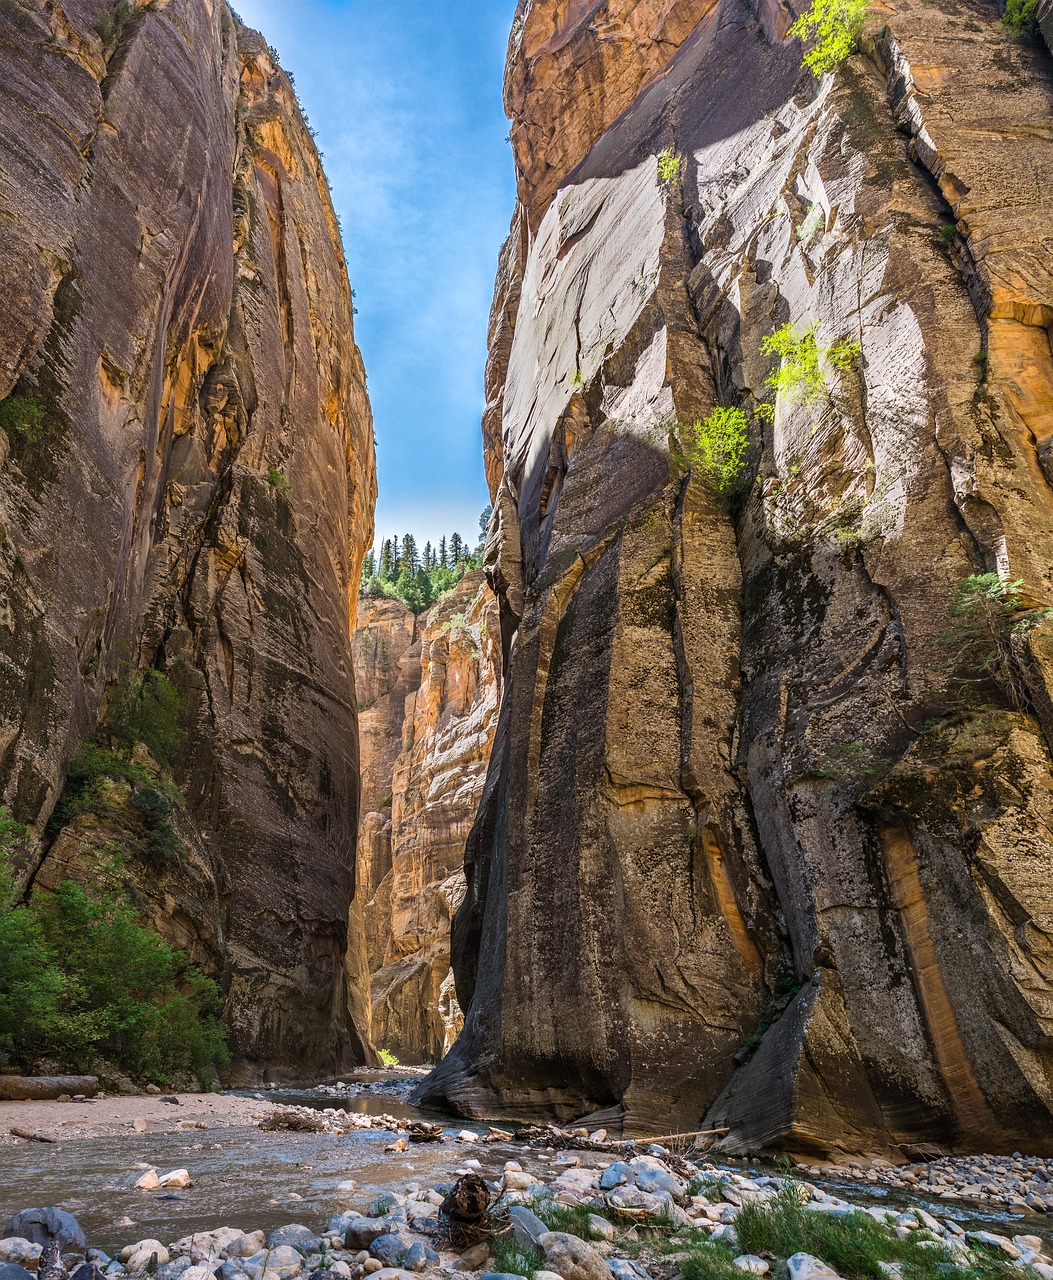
x: 831, y: 28
x: 1021, y: 16
x: 23, y: 418
x: 799, y: 373
x: 669, y: 166
x: 143, y: 706
x: 387, y: 1058
x: 716, y: 448
x: 946, y: 234
x: 277, y: 481
x: 83, y: 982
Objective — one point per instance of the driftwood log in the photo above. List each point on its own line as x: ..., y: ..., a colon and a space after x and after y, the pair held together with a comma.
x: 30, y: 1136
x: 46, y: 1088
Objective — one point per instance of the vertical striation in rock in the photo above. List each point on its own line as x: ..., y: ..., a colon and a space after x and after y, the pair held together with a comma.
x: 739, y: 859
x: 187, y: 476
x: 429, y: 703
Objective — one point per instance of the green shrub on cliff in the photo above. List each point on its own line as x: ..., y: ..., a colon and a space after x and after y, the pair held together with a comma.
x: 82, y: 982
x: 144, y: 706
x: 22, y: 417
x: 799, y: 374
x: 715, y: 448
x: 831, y: 28
x: 1021, y: 16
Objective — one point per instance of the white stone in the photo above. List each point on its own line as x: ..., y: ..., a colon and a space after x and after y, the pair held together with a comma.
x: 136, y: 1256
x: 466, y: 1135
x: 802, y: 1266
x: 751, y: 1263
x: 177, y: 1178
x: 994, y: 1241
x: 148, y: 1181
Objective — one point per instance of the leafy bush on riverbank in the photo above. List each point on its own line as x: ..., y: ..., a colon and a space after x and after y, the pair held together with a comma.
x: 82, y: 982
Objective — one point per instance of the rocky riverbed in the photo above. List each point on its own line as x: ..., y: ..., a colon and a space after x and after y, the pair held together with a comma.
x: 601, y: 1212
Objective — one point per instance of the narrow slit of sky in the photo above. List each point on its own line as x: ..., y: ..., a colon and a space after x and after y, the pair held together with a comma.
x: 405, y: 97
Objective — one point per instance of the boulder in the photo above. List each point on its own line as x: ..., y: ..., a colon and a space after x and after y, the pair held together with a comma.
x: 136, y: 1257
x: 389, y: 1249
x: 527, y: 1227
x: 10, y: 1271
x: 571, y: 1257
x: 175, y: 1180
x: 623, y: 1269
x: 755, y: 1266
x: 23, y: 1253
x: 43, y: 1225
x: 615, y: 1175
x: 298, y: 1237
x: 360, y: 1232
x: 802, y: 1266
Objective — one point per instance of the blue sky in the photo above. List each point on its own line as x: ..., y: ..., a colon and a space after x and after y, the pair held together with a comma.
x: 405, y: 96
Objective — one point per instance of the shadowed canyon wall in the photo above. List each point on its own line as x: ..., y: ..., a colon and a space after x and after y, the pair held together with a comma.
x: 186, y: 484
x: 429, y: 689
x: 740, y: 859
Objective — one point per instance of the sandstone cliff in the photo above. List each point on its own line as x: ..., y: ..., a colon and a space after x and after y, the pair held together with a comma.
x: 742, y: 859
x: 187, y: 483
x: 429, y: 693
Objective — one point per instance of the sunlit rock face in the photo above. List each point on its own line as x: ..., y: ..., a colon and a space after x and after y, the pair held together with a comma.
x: 197, y: 487
x: 739, y: 864
x: 429, y: 703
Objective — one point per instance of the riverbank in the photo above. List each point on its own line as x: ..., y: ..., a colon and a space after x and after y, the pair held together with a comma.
x: 112, y: 1116
x: 259, y: 1204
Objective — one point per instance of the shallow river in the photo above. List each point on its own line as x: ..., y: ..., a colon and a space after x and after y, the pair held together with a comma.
x: 251, y: 1179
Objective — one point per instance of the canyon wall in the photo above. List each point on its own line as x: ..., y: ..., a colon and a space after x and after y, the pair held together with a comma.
x: 764, y: 845
x: 428, y: 702
x: 186, y: 487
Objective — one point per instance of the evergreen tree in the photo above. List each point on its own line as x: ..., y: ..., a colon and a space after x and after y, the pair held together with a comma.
x: 410, y: 559
x: 387, y: 561
x: 443, y: 563
x: 428, y: 560
x: 456, y: 550
x: 369, y: 566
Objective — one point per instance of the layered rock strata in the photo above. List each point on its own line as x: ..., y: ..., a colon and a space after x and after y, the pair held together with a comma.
x: 743, y: 860
x: 429, y: 701
x: 187, y: 477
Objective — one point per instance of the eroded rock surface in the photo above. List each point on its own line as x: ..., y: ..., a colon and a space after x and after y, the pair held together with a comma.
x: 187, y: 477
x: 426, y: 741
x: 740, y: 862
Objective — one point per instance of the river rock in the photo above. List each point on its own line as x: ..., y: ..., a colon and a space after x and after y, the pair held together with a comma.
x: 750, y: 1263
x: 245, y: 1245
x: 136, y: 1256
x: 571, y: 1257
x: 802, y: 1266
x: 527, y: 1227
x: 624, y: 1269
x: 419, y: 1257
x: 474, y: 1258
x: 42, y: 1225
x: 174, y: 1269
x: 655, y: 1181
x: 148, y: 1181
x: 177, y: 1179
x: 11, y: 1271
x: 601, y: 1228
x: 231, y: 1270
x: 299, y: 1237
x: 615, y: 1175
x: 23, y: 1253
x: 360, y: 1232
x: 389, y: 1249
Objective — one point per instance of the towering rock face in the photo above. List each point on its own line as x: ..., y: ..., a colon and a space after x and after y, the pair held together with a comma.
x: 429, y: 702
x: 187, y: 476
x: 762, y: 846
